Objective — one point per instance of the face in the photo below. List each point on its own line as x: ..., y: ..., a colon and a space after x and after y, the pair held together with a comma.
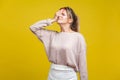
x: 62, y: 16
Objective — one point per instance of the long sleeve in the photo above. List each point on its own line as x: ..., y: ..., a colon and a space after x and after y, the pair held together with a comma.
x: 43, y: 34
x: 82, y: 59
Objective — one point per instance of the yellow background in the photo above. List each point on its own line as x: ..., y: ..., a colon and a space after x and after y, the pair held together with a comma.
x: 22, y: 55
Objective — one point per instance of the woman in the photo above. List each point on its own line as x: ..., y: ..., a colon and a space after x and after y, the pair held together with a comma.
x: 66, y: 50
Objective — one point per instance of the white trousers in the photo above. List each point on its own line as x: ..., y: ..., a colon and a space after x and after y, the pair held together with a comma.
x: 61, y: 72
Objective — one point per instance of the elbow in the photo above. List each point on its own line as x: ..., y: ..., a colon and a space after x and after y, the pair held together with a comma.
x: 32, y: 28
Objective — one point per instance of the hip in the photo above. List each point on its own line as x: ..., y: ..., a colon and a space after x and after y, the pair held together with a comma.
x: 61, y: 72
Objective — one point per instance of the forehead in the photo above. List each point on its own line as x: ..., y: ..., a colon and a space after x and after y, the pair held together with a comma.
x: 63, y: 10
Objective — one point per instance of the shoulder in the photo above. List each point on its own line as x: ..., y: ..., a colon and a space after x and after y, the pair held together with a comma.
x: 81, y: 38
x: 80, y: 35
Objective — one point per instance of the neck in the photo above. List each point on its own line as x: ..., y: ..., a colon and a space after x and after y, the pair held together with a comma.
x: 65, y: 28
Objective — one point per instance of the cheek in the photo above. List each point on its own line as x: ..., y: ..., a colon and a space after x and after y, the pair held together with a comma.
x: 64, y: 19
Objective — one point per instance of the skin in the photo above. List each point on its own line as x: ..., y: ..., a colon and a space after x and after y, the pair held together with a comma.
x: 62, y: 18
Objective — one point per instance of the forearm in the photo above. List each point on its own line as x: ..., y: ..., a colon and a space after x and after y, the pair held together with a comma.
x: 83, y: 76
x: 40, y: 24
x: 83, y: 68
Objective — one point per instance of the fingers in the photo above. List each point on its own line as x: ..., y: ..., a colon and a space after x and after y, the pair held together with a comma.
x: 57, y: 14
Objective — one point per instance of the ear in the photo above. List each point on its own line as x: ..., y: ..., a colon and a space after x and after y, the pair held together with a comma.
x: 70, y: 20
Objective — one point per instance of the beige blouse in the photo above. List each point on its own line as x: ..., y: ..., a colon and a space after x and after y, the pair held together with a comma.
x: 65, y: 48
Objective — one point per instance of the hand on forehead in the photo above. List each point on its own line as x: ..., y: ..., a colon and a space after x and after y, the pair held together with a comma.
x: 59, y: 12
x: 62, y: 10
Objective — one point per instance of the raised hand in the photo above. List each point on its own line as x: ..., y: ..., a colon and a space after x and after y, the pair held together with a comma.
x: 56, y: 16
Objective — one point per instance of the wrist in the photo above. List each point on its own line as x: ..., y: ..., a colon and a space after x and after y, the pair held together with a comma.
x: 53, y: 20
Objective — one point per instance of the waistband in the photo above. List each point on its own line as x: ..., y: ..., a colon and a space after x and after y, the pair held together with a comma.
x: 61, y: 67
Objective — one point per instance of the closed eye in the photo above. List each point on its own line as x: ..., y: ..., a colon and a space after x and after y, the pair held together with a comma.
x: 63, y: 14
